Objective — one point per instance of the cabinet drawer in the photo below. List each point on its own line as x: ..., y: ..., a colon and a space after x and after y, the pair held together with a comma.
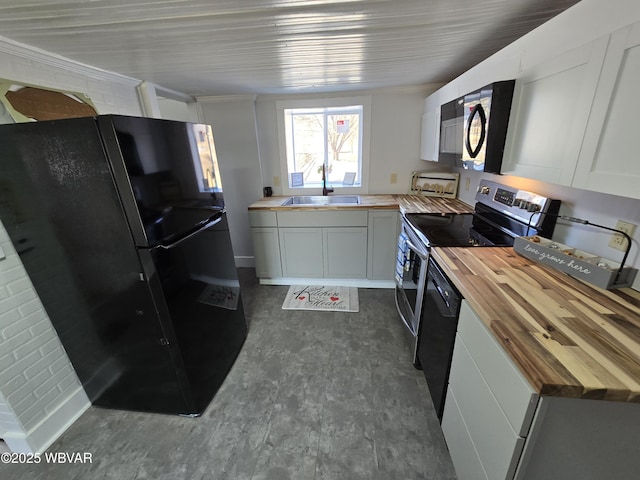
x: 315, y: 218
x: 463, y: 452
x: 263, y: 219
x: 516, y: 396
x: 498, y: 445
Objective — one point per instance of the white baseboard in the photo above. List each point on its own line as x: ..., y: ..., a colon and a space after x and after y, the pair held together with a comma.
x: 245, y: 262
x: 47, y: 431
x: 337, y: 282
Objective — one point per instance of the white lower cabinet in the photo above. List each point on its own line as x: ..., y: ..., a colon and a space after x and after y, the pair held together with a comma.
x: 497, y: 427
x: 339, y: 244
x: 463, y: 451
x: 489, y: 405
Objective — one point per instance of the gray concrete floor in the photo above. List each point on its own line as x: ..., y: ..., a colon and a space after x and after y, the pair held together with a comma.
x: 312, y: 396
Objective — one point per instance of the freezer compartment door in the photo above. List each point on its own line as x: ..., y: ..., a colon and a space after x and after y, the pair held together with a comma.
x: 159, y: 165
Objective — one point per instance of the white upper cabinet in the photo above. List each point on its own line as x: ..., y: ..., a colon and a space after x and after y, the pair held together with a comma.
x: 549, y: 114
x: 430, y: 130
x: 610, y: 159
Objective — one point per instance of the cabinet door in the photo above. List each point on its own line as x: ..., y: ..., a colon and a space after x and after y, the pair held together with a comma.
x: 463, y: 452
x: 345, y: 252
x: 549, y: 115
x: 609, y: 157
x: 266, y: 248
x: 301, y: 252
x: 429, y: 138
x: 383, y: 240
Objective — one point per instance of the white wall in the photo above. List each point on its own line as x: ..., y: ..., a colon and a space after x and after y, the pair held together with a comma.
x: 40, y: 394
x: 586, y: 21
x: 233, y: 121
x: 171, y: 109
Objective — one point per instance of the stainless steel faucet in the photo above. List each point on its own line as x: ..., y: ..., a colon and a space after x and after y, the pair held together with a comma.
x: 325, y: 191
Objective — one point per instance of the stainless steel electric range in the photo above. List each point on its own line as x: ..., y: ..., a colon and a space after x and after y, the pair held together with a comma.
x: 501, y: 213
x: 428, y: 303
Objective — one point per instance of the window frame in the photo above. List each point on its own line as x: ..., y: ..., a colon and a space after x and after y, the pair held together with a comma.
x: 365, y: 102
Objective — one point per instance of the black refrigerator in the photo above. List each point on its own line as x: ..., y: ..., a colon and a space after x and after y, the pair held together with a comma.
x: 120, y: 225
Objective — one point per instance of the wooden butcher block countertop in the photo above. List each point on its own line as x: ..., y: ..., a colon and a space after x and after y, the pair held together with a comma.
x: 569, y: 339
x: 433, y: 205
x: 405, y: 203
x: 367, y: 202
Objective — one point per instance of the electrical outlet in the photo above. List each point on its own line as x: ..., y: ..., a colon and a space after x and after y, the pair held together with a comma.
x: 467, y: 183
x: 394, y: 178
x: 276, y: 181
x: 619, y: 242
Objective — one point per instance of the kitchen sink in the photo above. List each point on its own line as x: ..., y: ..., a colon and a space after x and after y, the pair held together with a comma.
x: 322, y: 200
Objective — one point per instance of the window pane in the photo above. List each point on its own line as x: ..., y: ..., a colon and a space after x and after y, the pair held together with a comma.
x: 308, y: 146
x: 206, y: 161
x: 343, y: 146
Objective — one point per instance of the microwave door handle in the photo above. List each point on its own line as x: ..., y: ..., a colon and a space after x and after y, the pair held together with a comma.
x: 199, y: 227
x: 477, y: 109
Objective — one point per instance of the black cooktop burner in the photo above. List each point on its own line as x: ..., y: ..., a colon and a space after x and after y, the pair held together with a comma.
x: 443, y: 230
x: 457, y: 230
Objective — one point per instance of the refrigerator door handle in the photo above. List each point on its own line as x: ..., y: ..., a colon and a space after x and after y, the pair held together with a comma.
x: 175, y: 240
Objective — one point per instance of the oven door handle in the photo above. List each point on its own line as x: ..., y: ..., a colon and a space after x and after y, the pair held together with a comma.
x: 422, y: 255
x: 404, y: 319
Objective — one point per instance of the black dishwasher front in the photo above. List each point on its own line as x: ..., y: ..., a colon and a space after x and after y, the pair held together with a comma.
x: 437, y: 332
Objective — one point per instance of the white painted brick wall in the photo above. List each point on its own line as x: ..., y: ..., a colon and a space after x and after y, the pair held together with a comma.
x: 36, y: 377
x: 35, y: 372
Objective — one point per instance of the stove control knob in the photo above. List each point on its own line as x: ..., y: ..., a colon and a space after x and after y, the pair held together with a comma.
x: 484, y: 190
x: 533, y: 207
x: 524, y: 204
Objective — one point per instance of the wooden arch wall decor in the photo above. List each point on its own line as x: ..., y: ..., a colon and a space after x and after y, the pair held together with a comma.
x: 27, y: 103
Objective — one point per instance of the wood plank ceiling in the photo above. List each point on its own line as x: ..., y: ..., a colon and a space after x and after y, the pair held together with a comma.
x: 222, y: 47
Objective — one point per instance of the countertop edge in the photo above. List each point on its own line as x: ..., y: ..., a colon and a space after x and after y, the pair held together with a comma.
x: 405, y: 203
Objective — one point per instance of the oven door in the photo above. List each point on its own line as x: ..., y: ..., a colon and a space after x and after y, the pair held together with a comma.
x: 410, y: 288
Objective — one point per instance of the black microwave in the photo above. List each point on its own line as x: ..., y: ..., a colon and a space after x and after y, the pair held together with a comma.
x: 473, y: 128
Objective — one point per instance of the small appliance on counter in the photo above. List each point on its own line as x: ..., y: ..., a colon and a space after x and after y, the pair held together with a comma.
x: 428, y: 304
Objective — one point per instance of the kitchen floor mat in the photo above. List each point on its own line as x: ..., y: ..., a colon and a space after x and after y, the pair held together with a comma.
x: 316, y: 297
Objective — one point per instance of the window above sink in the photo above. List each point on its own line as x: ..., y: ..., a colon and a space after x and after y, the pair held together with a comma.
x: 331, y: 133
